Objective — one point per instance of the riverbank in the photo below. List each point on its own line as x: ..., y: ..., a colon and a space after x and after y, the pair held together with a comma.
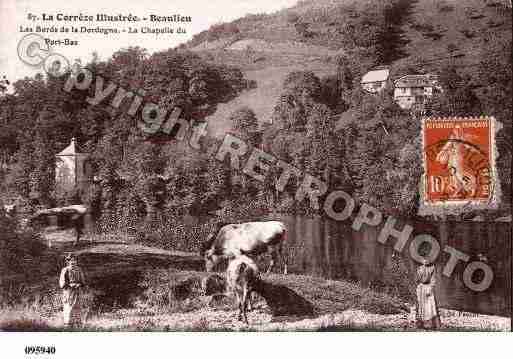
x: 132, y: 287
x: 339, y: 305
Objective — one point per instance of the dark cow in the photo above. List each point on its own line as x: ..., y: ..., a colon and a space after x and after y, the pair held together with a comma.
x: 241, y: 276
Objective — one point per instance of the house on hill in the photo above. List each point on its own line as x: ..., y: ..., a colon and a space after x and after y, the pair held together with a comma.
x: 375, y: 80
x: 72, y: 169
x: 413, y: 90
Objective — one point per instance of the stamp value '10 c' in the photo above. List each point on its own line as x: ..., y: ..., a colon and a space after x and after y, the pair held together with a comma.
x: 458, y: 160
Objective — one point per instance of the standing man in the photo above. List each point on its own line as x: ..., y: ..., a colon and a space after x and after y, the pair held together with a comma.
x: 70, y: 281
x: 427, y: 309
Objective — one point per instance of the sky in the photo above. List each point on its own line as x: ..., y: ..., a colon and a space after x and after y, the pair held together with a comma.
x: 204, y: 13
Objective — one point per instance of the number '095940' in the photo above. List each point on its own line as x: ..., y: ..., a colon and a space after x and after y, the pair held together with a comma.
x: 39, y: 350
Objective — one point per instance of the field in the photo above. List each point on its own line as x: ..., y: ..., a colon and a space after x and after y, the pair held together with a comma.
x: 133, y: 287
x: 261, y: 99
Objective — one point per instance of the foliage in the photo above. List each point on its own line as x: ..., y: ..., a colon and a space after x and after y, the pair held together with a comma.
x: 245, y: 125
x: 383, y: 151
x: 20, y: 250
x: 4, y: 83
x: 144, y: 181
x: 457, y: 98
x: 495, y: 75
x: 215, y: 32
x: 306, y: 135
x: 302, y: 29
x: 40, y: 117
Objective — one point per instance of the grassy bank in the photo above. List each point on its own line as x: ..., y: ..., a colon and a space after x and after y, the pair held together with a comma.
x: 132, y: 287
x: 172, y: 300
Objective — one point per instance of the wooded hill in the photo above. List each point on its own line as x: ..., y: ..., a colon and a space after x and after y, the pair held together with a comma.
x: 306, y: 63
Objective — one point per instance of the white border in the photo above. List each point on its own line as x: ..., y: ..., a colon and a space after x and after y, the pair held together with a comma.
x: 259, y: 345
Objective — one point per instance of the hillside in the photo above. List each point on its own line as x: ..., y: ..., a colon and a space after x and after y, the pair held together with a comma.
x: 420, y: 34
x: 428, y: 26
x: 261, y: 99
x: 322, y: 48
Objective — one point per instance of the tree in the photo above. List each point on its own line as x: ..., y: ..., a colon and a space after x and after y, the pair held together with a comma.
x: 42, y: 176
x: 390, y: 39
x: 302, y: 29
x: 301, y: 89
x: 376, y: 152
x: 337, y: 89
x: 495, y: 76
x: 3, y: 84
x: 322, y: 143
x: 495, y: 93
x: 457, y: 97
x: 245, y: 124
x: 303, y: 85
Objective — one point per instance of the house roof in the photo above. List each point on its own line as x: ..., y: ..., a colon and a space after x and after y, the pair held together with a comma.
x: 416, y: 80
x: 71, y: 150
x: 375, y: 76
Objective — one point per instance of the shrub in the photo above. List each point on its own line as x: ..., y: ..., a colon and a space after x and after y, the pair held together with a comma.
x: 170, y: 291
x: 171, y: 233
x: 19, y: 249
x: 398, y: 279
x: 302, y: 29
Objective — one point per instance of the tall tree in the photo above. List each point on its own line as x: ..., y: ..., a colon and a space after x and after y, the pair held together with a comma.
x: 245, y: 124
x: 457, y: 97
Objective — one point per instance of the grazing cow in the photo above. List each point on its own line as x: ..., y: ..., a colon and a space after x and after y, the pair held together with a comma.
x: 67, y: 217
x: 241, y: 276
x: 251, y: 239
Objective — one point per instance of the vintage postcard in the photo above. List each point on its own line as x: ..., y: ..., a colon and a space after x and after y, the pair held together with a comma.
x: 265, y: 166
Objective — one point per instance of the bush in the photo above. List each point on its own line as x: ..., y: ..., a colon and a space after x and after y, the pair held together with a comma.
x: 19, y: 249
x: 171, y: 291
x: 171, y: 233
x: 398, y: 280
x: 302, y: 29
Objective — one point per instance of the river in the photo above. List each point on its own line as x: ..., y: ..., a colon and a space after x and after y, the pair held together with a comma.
x: 331, y: 249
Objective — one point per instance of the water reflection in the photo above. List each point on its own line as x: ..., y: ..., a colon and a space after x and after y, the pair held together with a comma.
x: 334, y: 250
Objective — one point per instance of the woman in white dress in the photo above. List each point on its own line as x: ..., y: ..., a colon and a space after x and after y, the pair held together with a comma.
x: 427, y: 308
x: 70, y: 281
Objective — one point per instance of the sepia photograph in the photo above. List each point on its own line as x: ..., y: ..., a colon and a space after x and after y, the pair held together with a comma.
x: 271, y: 166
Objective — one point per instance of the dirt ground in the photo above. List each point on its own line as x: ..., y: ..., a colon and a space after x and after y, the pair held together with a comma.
x: 134, y: 288
x: 349, y: 320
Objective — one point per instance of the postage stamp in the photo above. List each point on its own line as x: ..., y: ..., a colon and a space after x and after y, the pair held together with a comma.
x: 459, y: 161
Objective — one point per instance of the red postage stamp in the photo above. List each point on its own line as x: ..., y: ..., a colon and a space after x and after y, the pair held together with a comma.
x: 458, y: 160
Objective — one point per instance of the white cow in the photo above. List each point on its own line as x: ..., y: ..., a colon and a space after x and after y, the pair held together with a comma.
x: 250, y: 239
